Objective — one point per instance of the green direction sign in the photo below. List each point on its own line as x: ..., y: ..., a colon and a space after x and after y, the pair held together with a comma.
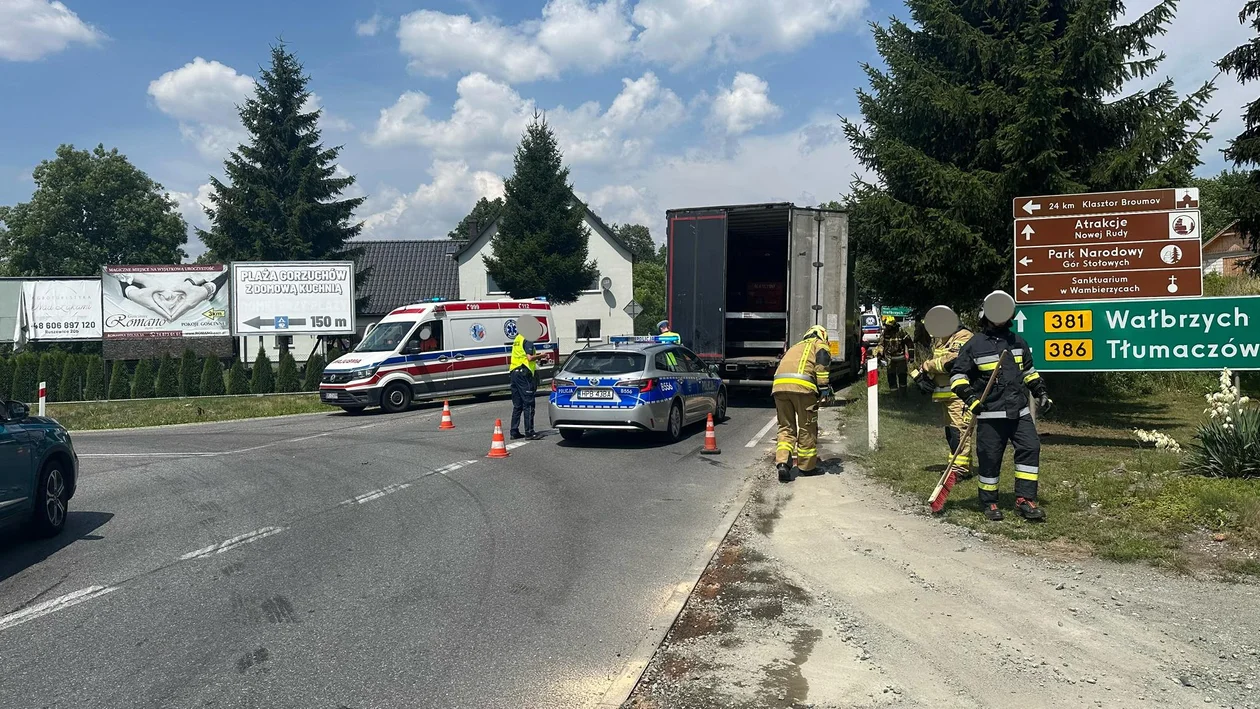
x: 897, y: 311
x: 1143, y: 335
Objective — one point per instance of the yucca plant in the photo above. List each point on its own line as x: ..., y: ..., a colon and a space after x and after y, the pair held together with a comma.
x: 1228, y: 443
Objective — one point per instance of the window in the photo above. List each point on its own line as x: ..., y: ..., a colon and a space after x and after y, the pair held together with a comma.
x: 588, y: 330
x: 666, y: 363
x: 385, y: 336
x: 594, y: 286
x: 694, y: 363
x: 605, y: 363
x: 418, y: 343
x: 492, y: 288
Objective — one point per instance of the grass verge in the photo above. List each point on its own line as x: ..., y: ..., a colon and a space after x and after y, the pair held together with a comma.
x: 96, y: 415
x: 1104, y: 494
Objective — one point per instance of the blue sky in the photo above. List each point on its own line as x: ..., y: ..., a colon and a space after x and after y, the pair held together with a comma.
x: 657, y: 103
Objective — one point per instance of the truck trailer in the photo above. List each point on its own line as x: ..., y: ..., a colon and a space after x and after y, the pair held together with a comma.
x: 746, y: 281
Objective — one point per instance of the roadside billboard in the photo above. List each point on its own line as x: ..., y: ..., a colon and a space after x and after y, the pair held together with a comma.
x: 60, y: 310
x: 165, y: 301
x: 293, y: 298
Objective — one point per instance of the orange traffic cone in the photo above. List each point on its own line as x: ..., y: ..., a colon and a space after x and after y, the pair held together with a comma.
x: 710, y: 439
x: 447, y: 424
x: 498, y: 446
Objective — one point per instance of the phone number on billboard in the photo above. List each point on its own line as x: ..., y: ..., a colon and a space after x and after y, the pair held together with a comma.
x: 64, y: 325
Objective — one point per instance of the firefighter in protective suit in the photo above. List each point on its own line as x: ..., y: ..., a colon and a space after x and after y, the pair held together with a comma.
x: 1005, y: 415
x: 948, y: 338
x: 800, y: 383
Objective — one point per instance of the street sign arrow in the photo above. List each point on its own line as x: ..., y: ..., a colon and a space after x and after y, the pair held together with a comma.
x: 1028, y: 232
x: 1031, y: 206
x: 1019, y: 321
x: 259, y: 322
x: 1025, y: 261
x: 1026, y: 289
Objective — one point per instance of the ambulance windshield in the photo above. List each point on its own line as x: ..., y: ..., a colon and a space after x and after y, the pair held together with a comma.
x: 385, y: 337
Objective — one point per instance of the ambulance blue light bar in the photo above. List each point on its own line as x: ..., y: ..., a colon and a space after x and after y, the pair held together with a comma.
x: 627, y: 339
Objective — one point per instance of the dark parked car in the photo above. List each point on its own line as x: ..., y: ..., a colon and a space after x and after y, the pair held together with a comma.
x: 38, y: 470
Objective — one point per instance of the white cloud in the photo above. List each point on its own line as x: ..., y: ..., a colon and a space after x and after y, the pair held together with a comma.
x: 372, y: 26
x: 489, y: 117
x: 577, y: 33
x: 192, y: 206
x: 433, y: 208
x: 203, y: 96
x: 623, y: 204
x: 440, y: 44
x: 30, y: 29
x: 743, y: 106
x: 684, y: 32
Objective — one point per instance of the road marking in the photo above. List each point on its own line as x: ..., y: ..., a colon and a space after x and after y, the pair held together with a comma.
x: 234, y: 542
x: 760, y: 434
x: 238, y: 451
x: 514, y: 446
x: 52, y: 606
x: 391, y: 489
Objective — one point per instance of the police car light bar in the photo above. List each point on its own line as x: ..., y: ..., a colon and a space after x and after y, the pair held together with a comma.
x: 626, y: 339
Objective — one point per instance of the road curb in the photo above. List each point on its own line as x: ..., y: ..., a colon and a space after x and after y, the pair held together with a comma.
x: 641, y: 656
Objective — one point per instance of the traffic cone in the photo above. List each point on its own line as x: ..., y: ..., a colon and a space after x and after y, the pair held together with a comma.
x: 710, y: 439
x: 498, y: 446
x: 447, y: 424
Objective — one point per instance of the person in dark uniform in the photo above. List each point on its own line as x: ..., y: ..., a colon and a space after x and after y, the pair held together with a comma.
x: 522, y: 367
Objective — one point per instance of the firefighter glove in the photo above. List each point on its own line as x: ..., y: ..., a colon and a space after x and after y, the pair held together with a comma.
x: 1044, y: 402
x: 973, y: 404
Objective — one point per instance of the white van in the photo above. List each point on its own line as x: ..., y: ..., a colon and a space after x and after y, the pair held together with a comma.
x: 436, y: 350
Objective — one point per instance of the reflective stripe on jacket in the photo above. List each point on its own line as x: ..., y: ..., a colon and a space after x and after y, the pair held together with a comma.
x: 804, y: 368
x: 944, y: 352
x: 975, y: 363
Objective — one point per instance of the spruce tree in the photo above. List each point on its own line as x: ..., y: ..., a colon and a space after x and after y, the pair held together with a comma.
x: 167, y: 384
x: 212, y: 378
x: 986, y: 100
x: 25, y: 368
x: 119, y: 381
x: 142, y: 380
x: 280, y: 201
x: 1244, y: 150
x: 6, y: 377
x: 238, y: 378
x: 94, y: 379
x: 70, y: 384
x: 189, y: 374
x: 262, y: 377
x: 287, y: 380
x: 542, y: 241
x: 314, y: 372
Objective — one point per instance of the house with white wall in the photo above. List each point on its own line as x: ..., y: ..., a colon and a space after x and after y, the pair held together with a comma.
x: 1227, y: 252
x: 596, y: 314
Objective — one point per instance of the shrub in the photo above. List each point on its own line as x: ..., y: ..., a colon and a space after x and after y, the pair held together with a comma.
x: 212, y: 378
x: 167, y: 384
x: 48, y: 372
x: 25, y: 385
x: 119, y: 381
x: 6, y: 377
x: 94, y: 378
x: 70, y: 386
x: 1228, y: 445
x: 314, y: 372
x: 263, y: 379
x: 238, y: 378
x: 142, y: 380
x: 190, y: 374
x: 287, y: 375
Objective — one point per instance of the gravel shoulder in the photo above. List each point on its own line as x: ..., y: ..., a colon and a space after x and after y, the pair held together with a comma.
x: 835, y: 592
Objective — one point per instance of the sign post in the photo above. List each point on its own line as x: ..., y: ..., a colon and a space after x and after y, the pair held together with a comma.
x: 1108, y: 245
x: 1143, y: 335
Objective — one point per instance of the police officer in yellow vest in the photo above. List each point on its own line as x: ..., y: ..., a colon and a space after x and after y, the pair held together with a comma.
x: 522, y: 368
x: 662, y: 330
x: 948, y: 338
x: 801, y: 381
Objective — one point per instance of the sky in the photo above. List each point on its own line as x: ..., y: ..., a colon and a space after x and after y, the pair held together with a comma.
x: 657, y: 104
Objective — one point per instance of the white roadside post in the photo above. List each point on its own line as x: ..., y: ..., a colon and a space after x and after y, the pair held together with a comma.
x: 43, y: 396
x: 872, y: 402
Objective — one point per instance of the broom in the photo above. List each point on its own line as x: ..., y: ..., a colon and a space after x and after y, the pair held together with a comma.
x: 941, y: 493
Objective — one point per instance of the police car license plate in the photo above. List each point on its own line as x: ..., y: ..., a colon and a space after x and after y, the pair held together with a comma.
x: 595, y: 394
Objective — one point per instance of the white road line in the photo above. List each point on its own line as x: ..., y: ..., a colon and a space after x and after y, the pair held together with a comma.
x: 215, y: 454
x: 391, y: 489
x: 760, y: 434
x: 514, y: 446
x: 230, y: 544
x: 52, y: 606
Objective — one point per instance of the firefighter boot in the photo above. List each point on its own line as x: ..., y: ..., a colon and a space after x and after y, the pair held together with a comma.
x: 785, y: 472
x: 992, y: 513
x: 1029, y: 510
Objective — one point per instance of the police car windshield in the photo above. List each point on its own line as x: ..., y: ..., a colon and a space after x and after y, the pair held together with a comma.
x: 385, y: 337
x: 605, y: 363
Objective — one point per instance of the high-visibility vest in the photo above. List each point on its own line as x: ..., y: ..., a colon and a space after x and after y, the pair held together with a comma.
x: 804, y: 368
x: 944, y: 351
x: 519, y: 357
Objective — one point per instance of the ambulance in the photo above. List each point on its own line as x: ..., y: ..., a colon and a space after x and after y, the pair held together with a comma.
x: 436, y: 350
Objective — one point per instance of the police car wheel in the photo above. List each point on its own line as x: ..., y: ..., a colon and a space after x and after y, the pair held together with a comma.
x: 571, y: 434
x: 674, y: 425
x: 395, y: 398
x: 720, y: 414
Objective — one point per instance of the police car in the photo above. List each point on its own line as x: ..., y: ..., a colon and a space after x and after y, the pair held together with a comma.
x: 634, y: 384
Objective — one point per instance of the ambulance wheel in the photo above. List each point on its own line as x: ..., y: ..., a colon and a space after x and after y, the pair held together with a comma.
x: 396, y: 398
x: 674, y: 425
x: 572, y: 435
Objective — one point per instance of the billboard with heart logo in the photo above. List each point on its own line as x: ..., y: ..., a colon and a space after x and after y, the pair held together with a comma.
x: 165, y: 301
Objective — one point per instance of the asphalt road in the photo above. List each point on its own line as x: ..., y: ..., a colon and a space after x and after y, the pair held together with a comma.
x: 358, y: 562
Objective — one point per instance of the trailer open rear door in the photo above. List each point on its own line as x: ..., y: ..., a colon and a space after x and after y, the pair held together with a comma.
x: 697, y: 280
